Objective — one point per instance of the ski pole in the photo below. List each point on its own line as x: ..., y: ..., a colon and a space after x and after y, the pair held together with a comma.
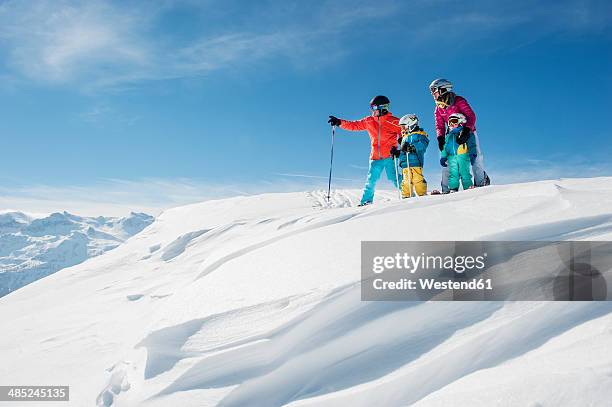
x: 331, y: 163
x: 409, y: 175
x: 420, y: 165
x: 399, y: 187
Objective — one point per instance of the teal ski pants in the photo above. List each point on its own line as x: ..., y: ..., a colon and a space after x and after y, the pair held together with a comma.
x: 375, y: 170
x: 459, y: 169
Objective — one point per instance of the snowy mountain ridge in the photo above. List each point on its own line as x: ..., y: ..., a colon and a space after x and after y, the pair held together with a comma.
x: 35, y: 247
x: 255, y: 301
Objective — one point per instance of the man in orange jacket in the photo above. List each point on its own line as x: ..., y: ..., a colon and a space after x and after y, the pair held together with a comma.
x: 384, y: 131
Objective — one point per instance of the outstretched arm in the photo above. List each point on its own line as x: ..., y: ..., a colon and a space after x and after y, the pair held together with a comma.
x: 357, y: 125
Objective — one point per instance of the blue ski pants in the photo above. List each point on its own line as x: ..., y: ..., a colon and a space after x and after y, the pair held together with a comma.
x: 375, y: 170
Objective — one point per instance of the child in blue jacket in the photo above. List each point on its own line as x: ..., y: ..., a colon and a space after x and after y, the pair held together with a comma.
x: 413, y: 144
x: 458, y: 157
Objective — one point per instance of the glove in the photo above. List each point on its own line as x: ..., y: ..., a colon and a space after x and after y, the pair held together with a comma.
x: 441, y: 142
x: 464, y: 135
x: 473, y: 158
x: 394, y: 152
x: 409, y: 148
x: 443, y: 161
x: 334, y: 121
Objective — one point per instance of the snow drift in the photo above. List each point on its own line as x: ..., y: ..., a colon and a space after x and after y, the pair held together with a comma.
x: 254, y: 301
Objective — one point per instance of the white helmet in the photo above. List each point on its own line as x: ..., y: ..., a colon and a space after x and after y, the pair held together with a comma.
x: 458, y: 118
x: 411, y: 121
x: 442, y: 85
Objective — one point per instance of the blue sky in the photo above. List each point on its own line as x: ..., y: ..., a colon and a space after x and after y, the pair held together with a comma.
x: 144, y: 105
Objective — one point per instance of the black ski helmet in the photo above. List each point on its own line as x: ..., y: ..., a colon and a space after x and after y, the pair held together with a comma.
x: 379, y: 105
x: 379, y: 100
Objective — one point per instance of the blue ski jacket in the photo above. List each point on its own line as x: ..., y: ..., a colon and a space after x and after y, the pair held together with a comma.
x: 453, y: 148
x: 420, y: 140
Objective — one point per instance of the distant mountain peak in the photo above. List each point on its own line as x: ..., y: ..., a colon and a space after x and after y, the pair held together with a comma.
x: 32, y: 248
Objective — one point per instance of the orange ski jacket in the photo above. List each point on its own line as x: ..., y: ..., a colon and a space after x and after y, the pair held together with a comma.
x: 383, y: 133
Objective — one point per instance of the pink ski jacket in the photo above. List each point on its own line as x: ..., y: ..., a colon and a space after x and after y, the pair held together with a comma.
x: 460, y: 105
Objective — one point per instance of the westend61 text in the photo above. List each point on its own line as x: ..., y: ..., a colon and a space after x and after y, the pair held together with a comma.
x: 433, y: 284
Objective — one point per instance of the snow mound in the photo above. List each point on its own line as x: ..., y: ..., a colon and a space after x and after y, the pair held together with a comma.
x: 33, y: 248
x: 255, y: 301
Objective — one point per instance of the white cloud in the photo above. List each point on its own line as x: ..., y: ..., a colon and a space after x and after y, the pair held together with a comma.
x: 213, y: 53
x: 118, y: 197
x: 100, y: 44
x: 101, y: 114
x: 62, y: 41
x: 523, y: 169
x: 320, y: 177
x: 112, y: 196
x: 103, y: 44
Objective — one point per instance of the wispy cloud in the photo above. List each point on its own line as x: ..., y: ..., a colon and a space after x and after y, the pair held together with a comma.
x: 358, y: 167
x: 104, y: 44
x: 102, y: 113
x: 525, y: 169
x: 60, y: 41
x: 454, y: 28
x: 95, y: 113
x: 213, y: 53
x: 101, y: 44
x: 115, y: 196
x: 118, y: 197
x: 316, y: 177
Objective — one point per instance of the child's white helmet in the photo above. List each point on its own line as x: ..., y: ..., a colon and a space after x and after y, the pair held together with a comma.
x: 411, y: 121
x: 457, y: 118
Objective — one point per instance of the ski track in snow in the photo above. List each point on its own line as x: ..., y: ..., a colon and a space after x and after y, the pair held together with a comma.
x: 302, y: 337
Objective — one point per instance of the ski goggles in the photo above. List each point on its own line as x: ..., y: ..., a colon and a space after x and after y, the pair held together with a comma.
x: 453, y: 121
x: 379, y: 107
x: 437, y: 92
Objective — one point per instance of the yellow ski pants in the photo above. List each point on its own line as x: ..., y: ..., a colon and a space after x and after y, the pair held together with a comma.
x: 413, y: 182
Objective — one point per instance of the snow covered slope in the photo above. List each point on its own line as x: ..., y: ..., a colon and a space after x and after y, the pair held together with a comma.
x: 254, y: 301
x: 32, y: 248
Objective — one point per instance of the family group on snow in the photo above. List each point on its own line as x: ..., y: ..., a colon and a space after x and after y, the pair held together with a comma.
x: 403, y: 140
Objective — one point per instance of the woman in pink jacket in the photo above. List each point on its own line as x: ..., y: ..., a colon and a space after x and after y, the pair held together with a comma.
x: 447, y: 103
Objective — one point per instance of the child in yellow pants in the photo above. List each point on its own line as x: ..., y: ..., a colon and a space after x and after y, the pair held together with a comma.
x: 413, y: 144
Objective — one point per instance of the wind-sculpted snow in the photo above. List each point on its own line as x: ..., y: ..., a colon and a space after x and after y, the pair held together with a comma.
x: 180, y: 244
x: 33, y: 248
x: 255, y: 301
